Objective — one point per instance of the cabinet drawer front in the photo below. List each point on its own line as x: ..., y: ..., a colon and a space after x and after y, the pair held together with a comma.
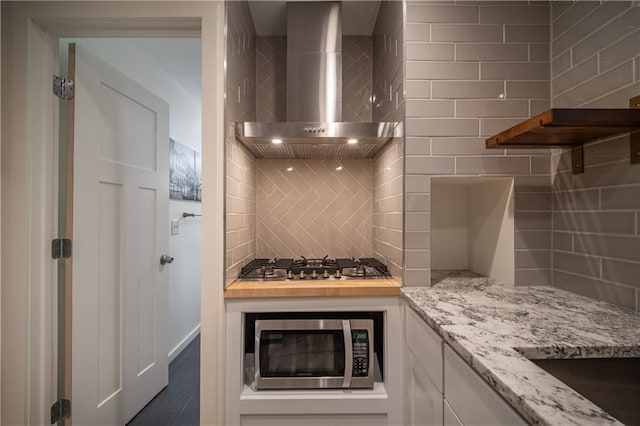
x: 426, y: 346
x: 471, y: 398
x: 450, y: 418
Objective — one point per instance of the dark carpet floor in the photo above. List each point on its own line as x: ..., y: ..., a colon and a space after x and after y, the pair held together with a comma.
x: 179, y: 403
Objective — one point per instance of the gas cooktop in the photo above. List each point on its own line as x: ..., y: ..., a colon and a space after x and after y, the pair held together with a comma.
x: 313, y: 269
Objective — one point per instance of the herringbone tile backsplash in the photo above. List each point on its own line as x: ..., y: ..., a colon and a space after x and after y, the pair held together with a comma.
x: 356, y: 78
x: 271, y: 78
x: 313, y: 209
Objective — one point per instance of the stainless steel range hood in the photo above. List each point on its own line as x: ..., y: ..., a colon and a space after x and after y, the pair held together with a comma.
x: 314, y: 126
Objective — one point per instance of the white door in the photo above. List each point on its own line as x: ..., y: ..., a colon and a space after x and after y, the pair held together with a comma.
x: 120, y: 230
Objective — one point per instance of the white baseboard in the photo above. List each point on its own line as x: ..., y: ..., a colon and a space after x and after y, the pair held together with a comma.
x: 173, y: 353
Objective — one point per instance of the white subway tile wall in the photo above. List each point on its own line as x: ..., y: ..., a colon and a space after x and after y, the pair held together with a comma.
x: 596, y: 220
x: 389, y: 105
x: 240, y: 104
x: 387, y: 206
x: 498, y: 76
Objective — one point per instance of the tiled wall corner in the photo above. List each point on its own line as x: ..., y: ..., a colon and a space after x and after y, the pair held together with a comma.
x: 596, y: 238
x: 475, y: 69
x: 388, y: 166
x: 309, y: 208
x: 357, y: 62
x: 240, y: 242
x: 388, y: 57
x: 241, y: 63
x: 240, y: 104
x: 388, y: 206
x: 271, y: 78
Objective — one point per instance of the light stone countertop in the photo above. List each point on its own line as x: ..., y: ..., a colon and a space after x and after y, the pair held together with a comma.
x: 493, y: 326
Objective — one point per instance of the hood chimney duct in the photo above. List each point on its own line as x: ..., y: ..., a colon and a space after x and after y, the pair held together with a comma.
x: 314, y: 62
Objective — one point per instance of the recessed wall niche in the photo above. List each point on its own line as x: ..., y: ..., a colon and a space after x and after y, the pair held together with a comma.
x: 472, y: 226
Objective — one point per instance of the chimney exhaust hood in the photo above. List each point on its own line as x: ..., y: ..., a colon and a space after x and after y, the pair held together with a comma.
x: 314, y: 126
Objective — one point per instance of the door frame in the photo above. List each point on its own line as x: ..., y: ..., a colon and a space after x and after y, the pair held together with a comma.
x: 29, y: 187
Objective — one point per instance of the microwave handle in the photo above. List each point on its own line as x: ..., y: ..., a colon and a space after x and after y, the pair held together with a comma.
x: 348, y: 353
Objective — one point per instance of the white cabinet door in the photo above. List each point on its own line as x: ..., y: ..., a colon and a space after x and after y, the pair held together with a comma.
x: 314, y: 420
x: 450, y: 418
x: 424, y: 379
x: 424, y: 399
x: 426, y: 345
x: 471, y: 398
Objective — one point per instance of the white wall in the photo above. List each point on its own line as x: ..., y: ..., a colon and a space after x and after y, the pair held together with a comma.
x: 491, y: 229
x: 449, y: 226
x: 184, y: 127
x: 472, y: 226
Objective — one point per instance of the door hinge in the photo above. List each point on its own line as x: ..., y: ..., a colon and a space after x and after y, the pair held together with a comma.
x: 60, y: 410
x: 62, y: 87
x: 61, y: 248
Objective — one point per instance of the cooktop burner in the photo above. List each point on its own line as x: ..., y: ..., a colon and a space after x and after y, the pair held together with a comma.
x: 304, y: 268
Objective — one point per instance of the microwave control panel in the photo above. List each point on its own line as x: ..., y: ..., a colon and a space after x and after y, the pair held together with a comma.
x: 360, y: 342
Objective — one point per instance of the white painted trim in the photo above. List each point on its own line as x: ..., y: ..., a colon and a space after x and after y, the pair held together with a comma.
x: 0, y: 211
x: 27, y: 386
x: 173, y: 353
x: 212, y: 364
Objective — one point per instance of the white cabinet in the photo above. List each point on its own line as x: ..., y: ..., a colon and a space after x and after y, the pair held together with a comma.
x: 442, y: 389
x: 426, y: 345
x: 472, y: 400
x: 450, y: 418
x: 379, y: 406
x: 424, y: 380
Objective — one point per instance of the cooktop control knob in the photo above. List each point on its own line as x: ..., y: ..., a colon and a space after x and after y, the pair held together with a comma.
x: 325, y: 274
x: 302, y: 275
x: 338, y: 274
x: 314, y: 274
x: 290, y: 275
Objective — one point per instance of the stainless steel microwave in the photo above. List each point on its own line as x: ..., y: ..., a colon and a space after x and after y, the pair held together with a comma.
x: 314, y: 353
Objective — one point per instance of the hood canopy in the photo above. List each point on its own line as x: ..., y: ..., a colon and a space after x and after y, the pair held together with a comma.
x: 314, y: 126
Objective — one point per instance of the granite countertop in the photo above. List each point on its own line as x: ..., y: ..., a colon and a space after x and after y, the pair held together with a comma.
x: 497, y: 328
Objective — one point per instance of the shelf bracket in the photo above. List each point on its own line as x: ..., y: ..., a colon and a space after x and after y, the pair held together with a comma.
x: 634, y: 103
x: 577, y: 160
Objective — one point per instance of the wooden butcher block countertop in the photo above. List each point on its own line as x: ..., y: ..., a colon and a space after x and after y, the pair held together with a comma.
x: 313, y: 288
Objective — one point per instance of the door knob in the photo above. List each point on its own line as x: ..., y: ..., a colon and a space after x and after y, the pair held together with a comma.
x: 164, y: 259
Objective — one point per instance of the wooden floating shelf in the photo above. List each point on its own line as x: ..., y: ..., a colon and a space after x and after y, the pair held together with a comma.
x: 566, y: 128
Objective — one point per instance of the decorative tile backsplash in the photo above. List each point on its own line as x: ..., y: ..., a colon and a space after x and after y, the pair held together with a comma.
x: 357, y: 64
x: 240, y: 205
x: 271, y: 79
x: 240, y: 92
x: 388, y: 58
x: 310, y: 208
x: 240, y: 104
x: 388, y: 206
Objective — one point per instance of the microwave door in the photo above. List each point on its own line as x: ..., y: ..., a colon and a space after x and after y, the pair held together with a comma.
x: 295, y: 354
